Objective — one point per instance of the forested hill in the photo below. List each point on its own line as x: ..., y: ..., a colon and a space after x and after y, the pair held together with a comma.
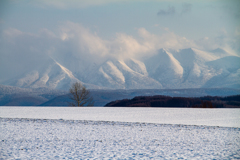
x: 167, y: 101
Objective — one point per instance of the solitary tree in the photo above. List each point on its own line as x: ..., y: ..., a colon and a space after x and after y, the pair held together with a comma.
x: 80, y: 96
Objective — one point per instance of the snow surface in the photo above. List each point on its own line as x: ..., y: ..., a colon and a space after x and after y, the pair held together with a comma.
x: 187, y: 116
x: 74, y: 139
x: 118, y: 133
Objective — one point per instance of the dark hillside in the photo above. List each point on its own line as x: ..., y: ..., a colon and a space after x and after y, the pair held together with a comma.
x: 167, y: 101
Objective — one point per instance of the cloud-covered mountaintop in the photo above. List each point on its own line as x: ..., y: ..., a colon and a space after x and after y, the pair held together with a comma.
x: 119, y: 43
x: 166, y: 69
x: 73, y: 53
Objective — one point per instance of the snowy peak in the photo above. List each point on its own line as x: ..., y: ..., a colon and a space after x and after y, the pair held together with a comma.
x: 189, y: 56
x: 66, y: 71
x: 137, y: 66
x: 186, y: 68
x: 226, y: 72
x: 219, y: 52
x: 226, y: 65
x: 230, y: 63
x: 123, y: 74
x: 163, y: 62
x: 111, y: 71
x: 50, y: 75
x: 205, y: 56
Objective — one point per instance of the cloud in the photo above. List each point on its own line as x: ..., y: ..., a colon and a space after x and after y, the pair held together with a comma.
x: 75, y: 47
x: 81, y: 43
x: 186, y: 7
x: 169, y: 11
x: 22, y: 51
x: 83, y: 39
x: 222, y: 40
x: 236, y: 40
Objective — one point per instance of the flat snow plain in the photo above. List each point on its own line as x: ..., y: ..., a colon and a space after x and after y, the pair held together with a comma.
x: 119, y: 133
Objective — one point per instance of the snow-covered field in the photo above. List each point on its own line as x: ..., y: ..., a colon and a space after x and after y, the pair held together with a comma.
x: 119, y: 133
x: 188, y: 116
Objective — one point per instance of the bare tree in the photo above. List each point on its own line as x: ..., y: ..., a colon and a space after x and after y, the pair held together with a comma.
x: 80, y: 96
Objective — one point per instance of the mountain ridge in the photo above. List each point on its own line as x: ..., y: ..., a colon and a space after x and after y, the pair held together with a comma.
x: 167, y: 69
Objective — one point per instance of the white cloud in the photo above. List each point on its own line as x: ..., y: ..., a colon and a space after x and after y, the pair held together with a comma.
x: 74, y: 44
x: 167, y: 40
x: 81, y: 42
x: 83, y: 39
x: 126, y: 46
x: 222, y: 40
x: 85, y: 42
x: 12, y: 32
x: 22, y: 51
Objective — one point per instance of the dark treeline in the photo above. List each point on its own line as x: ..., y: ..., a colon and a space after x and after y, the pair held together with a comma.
x: 167, y: 101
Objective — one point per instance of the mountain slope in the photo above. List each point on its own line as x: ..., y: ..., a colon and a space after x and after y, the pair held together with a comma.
x: 117, y: 74
x: 165, y: 68
x: 50, y: 74
x: 227, y: 71
x: 170, y: 69
x: 196, y: 70
x: 15, y: 96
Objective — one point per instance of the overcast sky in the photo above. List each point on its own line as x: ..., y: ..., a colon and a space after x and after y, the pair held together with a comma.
x: 122, y: 28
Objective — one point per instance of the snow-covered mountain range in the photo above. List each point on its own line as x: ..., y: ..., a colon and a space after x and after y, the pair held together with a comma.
x: 167, y: 69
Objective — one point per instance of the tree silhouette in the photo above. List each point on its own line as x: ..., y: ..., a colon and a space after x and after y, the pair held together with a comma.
x: 80, y: 96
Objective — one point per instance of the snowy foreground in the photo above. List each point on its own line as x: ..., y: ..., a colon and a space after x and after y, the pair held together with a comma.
x: 188, y: 116
x: 57, y: 133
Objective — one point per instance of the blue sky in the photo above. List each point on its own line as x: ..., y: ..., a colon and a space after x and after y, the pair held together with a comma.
x: 122, y: 28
